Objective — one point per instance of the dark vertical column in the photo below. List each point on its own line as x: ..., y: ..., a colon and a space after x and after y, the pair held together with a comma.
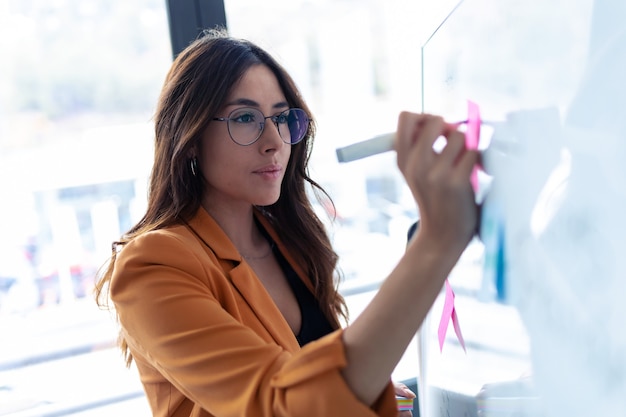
x: 187, y: 19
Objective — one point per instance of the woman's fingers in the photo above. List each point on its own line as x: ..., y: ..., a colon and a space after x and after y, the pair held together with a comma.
x: 467, y: 162
x: 455, y: 146
x: 418, y: 161
x: 404, y: 391
x: 415, y: 137
x: 439, y: 180
x: 429, y: 129
x: 455, y: 157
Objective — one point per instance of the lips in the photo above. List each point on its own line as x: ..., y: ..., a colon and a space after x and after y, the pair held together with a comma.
x: 269, y: 169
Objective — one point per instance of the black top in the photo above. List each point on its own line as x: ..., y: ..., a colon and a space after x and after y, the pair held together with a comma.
x: 314, y: 322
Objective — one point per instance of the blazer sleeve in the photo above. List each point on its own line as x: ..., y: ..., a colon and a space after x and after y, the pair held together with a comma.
x: 170, y: 314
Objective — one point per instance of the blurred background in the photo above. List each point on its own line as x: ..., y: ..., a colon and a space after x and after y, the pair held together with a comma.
x: 78, y: 85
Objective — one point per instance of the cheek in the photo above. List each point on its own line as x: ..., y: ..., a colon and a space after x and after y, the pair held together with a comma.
x: 219, y: 169
x: 287, y: 155
x: 216, y: 160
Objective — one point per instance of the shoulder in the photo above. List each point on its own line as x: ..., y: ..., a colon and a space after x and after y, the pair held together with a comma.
x: 174, y: 252
x: 162, y: 246
x: 162, y: 240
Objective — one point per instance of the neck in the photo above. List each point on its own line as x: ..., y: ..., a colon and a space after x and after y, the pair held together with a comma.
x: 259, y: 256
x: 241, y: 229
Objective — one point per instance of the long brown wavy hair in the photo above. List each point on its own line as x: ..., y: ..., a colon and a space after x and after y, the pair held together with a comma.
x: 195, y: 89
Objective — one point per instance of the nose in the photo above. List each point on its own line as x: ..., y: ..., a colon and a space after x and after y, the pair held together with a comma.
x: 270, y: 137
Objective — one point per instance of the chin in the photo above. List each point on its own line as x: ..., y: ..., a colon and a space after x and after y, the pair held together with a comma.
x: 267, y: 200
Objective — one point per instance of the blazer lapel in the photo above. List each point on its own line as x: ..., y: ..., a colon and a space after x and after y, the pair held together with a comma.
x: 259, y: 300
x: 244, y: 280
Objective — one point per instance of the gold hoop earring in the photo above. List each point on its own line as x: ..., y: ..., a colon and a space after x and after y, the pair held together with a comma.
x: 194, y: 166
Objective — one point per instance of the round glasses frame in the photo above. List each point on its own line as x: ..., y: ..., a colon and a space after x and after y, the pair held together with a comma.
x: 246, y: 125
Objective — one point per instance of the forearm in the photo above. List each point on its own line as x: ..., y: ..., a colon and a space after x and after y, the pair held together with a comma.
x: 378, y: 338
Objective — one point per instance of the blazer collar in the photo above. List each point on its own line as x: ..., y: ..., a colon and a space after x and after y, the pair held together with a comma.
x: 207, y: 229
x: 245, y: 280
x: 214, y: 237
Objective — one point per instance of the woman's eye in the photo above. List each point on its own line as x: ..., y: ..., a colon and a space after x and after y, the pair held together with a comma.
x: 244, y: 118
x: 282, y: 118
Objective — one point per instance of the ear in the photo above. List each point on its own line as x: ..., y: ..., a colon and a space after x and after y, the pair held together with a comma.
x: 192, y: 153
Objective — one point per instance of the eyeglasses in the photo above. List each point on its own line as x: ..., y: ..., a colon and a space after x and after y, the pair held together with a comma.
x: 245, y: 125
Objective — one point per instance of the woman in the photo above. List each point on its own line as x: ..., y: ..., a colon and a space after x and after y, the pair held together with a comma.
x: 225, y: 288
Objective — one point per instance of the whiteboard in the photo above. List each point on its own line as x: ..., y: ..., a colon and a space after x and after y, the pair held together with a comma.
x: 549, y: 77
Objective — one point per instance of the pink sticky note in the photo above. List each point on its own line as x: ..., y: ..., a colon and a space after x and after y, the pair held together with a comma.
x: 449, y: 314
x: 472, y: 135
x: 446, y: 315
x: 457, y: 329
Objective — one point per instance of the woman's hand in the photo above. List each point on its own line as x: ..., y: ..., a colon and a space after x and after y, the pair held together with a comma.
x: 439, y: 181
x: 404, y: 391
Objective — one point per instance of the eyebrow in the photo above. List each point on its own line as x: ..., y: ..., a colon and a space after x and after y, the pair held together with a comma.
x: 252, y: 103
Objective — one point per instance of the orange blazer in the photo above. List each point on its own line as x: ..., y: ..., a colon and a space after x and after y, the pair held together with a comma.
x: 208, y: 339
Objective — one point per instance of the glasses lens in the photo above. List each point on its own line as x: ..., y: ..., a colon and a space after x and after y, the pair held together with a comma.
x: 245, y: 125
x: 297, y: 123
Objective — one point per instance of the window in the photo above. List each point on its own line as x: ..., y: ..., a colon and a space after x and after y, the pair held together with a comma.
x: 75, y: 151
